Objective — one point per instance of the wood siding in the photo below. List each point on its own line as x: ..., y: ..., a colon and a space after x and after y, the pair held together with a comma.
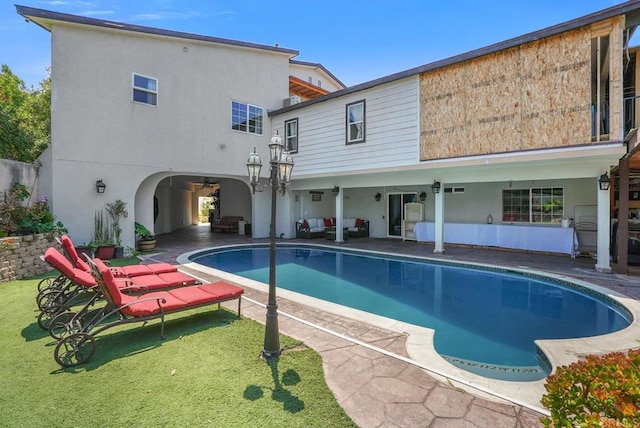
x: 391, y: 131
x: 537, y: 95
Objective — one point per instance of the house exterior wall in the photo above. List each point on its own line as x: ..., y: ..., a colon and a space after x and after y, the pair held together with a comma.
x: 391, y: 131
x: 99, y: 133
x: 533, y: 96
x: 303, y: 72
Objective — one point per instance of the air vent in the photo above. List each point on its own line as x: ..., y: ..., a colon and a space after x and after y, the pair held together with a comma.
x: 294, y: 99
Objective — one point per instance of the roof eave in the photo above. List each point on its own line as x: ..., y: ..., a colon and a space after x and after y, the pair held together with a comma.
x: 44, y: 18
x: 625, y: 8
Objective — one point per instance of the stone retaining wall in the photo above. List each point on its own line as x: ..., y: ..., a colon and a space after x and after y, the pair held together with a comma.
x: 20, y: 256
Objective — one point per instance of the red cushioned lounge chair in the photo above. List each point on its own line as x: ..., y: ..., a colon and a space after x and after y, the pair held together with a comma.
x: 79, y: 346
x: 80, y: 287
x: 129, y: 271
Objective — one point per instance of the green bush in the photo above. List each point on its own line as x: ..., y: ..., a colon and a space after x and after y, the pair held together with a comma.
x: 18, y: 219
x: 601, y: 391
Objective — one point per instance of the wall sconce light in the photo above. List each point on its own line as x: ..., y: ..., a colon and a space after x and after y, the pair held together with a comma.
x: 435, y: 187
x: 378, y: 197
x: 335, y: 191
x: 100, y: 186
x: 604, y: 181
x: 423, y: 196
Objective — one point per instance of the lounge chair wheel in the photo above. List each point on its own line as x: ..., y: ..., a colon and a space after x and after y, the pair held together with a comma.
x: 75, y: 349
x: 47, y: 314
x: 49, y: 298
x: 63, y: 325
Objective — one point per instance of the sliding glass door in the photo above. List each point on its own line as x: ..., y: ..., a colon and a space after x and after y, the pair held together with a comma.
x: 395, y: 211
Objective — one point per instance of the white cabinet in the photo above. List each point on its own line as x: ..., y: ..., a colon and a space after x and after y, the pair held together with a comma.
x: 413, y: 213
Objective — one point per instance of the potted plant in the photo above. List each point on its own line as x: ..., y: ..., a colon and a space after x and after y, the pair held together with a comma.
x: 117, y: 210
x: 102, y: 242
x: 146, y: 239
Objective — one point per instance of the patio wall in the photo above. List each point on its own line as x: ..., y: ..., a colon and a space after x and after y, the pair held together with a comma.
x: 20, y: 256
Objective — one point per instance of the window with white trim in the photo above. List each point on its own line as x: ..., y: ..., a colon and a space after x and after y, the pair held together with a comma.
x: 247, y: 118
x: 537, y: 205
x: 355, y: 122
x: 145, y: 89
x: 291, y: 135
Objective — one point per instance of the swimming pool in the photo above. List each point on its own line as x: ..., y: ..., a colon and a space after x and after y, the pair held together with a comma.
x: 485, y: 319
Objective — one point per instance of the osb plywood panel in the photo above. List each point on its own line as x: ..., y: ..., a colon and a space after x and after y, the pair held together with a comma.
x: 532, y: 96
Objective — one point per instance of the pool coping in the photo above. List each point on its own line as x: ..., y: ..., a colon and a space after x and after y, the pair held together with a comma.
x: 419, y: 343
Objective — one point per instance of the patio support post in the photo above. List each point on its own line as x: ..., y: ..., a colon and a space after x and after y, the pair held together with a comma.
x: 604, y: 225
x: 339, y: 215
x: 439, y: 223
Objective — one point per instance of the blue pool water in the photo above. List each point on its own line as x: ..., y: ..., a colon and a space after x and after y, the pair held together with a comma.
x: 485, y: 320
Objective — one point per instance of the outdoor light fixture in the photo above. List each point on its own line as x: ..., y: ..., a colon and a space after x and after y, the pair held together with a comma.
x: 604, y: 181
x: 423, y: 196
x: 435, y: 187
x: 335, y: 191
x: 100, y: 186
x: 378, y: 197
x: 281, y: 165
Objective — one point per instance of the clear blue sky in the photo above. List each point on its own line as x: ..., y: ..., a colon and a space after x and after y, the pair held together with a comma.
x: 356, y: 40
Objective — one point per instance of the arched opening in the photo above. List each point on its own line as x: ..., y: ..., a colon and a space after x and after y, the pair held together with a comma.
x: 168, y: 202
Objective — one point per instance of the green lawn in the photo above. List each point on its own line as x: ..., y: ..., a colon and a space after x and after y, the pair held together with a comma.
x: 207, y: 372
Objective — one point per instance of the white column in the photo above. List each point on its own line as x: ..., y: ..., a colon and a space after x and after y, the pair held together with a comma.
x: 604, y: 227
x: 439, y: 222
x: 339, y: 216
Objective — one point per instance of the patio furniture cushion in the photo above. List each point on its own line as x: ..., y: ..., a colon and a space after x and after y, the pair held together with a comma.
x: 59, y: 262
x: 70, y: 250
x: 193, y: 296
x: 221, y: 290
x: 178, y: 278
x: 349, y: 222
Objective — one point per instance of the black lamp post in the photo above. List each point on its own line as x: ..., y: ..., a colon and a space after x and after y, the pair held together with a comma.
x: 281, y: 164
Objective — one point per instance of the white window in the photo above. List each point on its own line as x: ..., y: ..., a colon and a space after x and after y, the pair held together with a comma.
x: 145, y: 89
x: 539, y: 205
x: 355, y: 122
x: 319, y: 83
x: 291, y: 135
x: 246, y: 118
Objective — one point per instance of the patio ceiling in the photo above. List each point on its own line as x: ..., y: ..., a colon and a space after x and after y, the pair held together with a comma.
x: 304, y: 89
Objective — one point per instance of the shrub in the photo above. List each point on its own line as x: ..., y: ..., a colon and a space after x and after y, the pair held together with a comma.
x: 12, y: 209
x: 18, y: 219
x: 599, y: 391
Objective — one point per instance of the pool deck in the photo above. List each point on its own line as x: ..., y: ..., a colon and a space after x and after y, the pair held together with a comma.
x: 368, y: 367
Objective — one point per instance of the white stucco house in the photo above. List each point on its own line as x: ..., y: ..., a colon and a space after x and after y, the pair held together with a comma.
x: 518, y: 132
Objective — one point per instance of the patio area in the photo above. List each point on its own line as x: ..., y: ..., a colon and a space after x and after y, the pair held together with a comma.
x: 367, y: 367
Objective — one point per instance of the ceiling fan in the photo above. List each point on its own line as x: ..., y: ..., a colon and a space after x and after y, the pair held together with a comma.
x: 206, y: 182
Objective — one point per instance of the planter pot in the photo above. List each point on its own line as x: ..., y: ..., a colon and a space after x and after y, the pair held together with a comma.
x: 118, y: 252
x: 147, y: 245
x: 105, y: 252
x: 83, y: 250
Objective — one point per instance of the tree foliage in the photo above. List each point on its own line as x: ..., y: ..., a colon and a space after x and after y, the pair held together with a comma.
x: 25, y: 117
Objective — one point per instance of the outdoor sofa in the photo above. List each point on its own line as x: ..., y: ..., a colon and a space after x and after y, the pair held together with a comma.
x: 226, y: 224
x: 317, y: 227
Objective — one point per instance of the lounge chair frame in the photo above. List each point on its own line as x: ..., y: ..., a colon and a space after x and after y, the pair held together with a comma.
x: 79, y: 346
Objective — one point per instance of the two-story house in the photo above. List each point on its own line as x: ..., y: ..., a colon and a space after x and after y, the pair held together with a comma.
x: 516, y: 134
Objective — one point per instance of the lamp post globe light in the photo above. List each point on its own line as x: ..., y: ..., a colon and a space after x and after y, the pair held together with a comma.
x: 281, y: 165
